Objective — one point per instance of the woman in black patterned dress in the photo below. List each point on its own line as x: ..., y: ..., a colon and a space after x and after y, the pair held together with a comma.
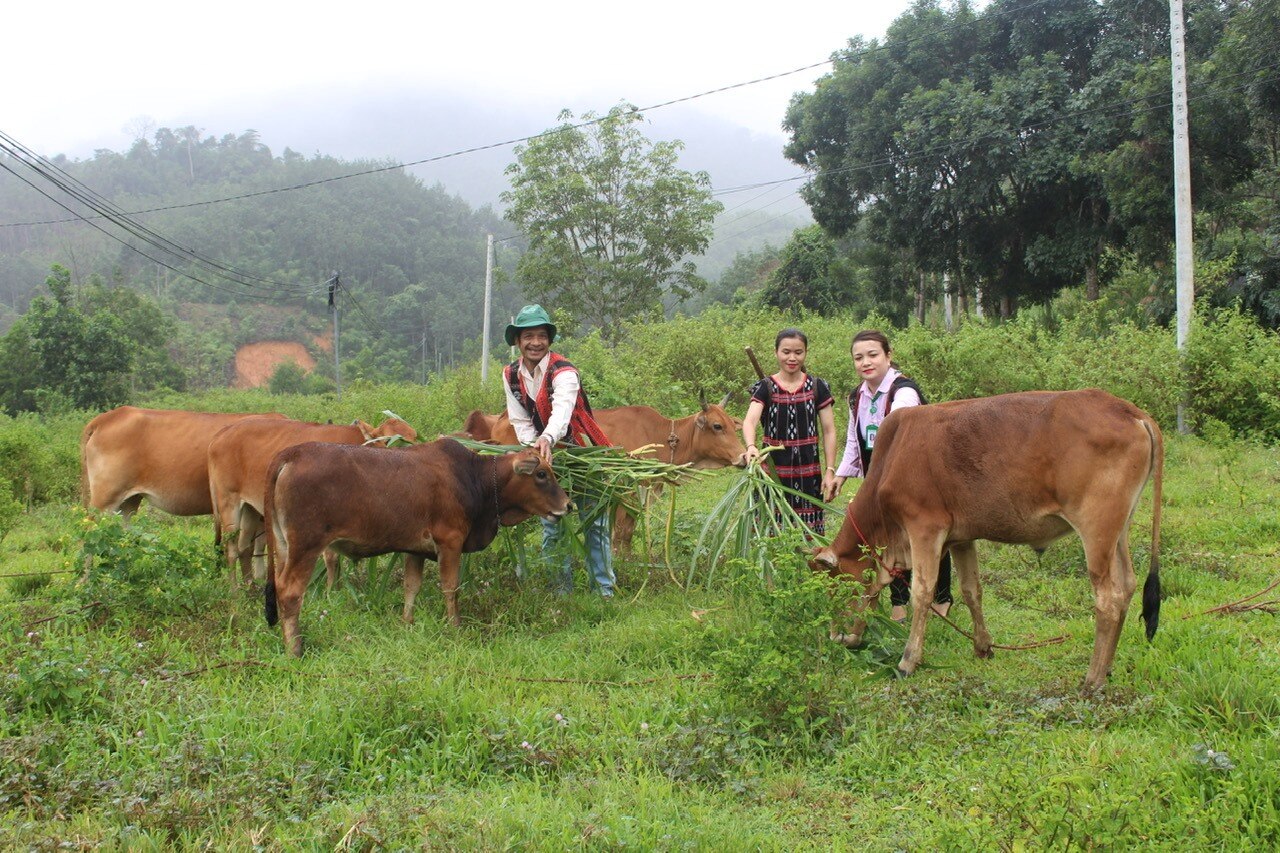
x: 793, y: 408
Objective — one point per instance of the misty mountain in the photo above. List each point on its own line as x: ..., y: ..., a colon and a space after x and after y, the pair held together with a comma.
x: 408, y: 127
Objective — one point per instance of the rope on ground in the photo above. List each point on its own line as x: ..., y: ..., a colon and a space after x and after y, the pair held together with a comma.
x: 88, y: 606
x: 250, y: 662
x: 1052, y: 641
x: 1240, y: 606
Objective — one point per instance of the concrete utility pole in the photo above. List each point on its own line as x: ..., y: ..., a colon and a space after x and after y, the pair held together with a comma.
x: 488, y: 298
x: 946, y: 298
x: 333, y: 303
x: 1185, y: 261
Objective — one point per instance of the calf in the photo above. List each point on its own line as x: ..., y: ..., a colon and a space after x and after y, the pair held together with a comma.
x: 239, y: 456
x: 1019, y: 468
x: 432, y: 501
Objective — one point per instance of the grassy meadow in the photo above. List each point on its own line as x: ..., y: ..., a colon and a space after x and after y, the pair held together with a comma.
x: 149, y: 706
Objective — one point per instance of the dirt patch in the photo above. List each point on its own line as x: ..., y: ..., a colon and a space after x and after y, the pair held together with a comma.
x: 255, y: 363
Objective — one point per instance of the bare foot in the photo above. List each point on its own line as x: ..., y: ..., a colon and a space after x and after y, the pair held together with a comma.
x: 942, y: 609
x: 898, y: 613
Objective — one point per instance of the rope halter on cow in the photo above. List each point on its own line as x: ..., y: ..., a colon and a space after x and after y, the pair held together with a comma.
x: 672, y: 441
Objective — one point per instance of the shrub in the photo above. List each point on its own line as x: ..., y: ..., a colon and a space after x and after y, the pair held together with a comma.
x: 143, y: 569
x: 780, y: 671
x: 1234, y: 368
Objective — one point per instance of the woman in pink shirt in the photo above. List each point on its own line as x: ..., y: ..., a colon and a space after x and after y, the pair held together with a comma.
x: 883, y: 388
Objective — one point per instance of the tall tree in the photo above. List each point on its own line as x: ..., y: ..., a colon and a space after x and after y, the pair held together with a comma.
x: 66, y: 357
x: 610, y: 219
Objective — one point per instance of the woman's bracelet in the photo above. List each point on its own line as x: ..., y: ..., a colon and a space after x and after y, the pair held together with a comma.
x: 832, y: 470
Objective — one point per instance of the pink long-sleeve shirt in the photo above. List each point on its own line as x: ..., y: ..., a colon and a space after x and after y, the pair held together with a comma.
x: 851, y: 462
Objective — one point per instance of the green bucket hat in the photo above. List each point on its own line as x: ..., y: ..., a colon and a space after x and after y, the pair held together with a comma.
x: 530, y: 317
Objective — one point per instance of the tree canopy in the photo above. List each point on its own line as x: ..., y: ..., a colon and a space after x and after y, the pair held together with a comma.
x: 1019, y: 147
x: 610, y: 219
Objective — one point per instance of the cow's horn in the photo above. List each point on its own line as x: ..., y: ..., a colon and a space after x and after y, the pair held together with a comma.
x: 724, y: 401
x: 702, y: 399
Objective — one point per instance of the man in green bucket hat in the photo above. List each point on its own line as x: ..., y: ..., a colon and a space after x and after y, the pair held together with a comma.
x: 547, y: 406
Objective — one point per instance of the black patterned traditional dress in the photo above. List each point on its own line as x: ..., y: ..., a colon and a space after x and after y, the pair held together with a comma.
x: 791, y: 420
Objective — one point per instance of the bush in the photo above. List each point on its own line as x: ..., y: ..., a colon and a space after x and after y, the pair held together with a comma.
x: 146, y: 570
x: 39, y: 457
x: 1234, y: 367
x: 780, y: 672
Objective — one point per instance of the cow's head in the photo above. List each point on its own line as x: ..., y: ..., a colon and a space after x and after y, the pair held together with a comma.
x: 864, y: 565
x: 479, y: 426
x: 716, y: 441
x: 390, y: 427
x: 531, y: 490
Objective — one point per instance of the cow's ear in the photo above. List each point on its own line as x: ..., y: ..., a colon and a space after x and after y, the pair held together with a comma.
x: 526, y: 465
x: 701, y: 422
x: 365, y: 430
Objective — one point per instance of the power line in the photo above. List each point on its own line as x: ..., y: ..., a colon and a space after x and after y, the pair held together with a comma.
x: 106, y: 210
x: 875, y: 48
x: 94, y: 225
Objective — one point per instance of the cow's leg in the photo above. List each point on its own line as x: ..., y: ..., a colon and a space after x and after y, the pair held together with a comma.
x: 255, y: 524
x: 1111, y: 573
x: 412, y: 583
x: 332, y: 568
x: 926, y: 552
x: 624, y: 528
x: 129, y: 506
x: 964, y: 559
x: 291, y: 585
x: 450, y: 562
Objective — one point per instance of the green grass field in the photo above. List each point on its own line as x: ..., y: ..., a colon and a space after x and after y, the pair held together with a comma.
x: 167, y: 716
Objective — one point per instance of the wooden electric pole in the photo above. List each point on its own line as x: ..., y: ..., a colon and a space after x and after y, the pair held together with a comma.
x: 337, y: 359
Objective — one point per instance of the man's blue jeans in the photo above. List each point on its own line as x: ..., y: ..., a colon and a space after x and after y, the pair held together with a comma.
x: 599, y: 548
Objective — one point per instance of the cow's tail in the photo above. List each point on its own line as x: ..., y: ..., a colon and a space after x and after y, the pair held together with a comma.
x: 269, y: 520
x: 1151, y: 589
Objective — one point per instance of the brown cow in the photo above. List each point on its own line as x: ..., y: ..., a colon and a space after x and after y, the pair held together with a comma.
x: 704, y: 440
x: 239, y: 456
x: 434, y: 500
x: 128, y: 454
x: 1019, y: 468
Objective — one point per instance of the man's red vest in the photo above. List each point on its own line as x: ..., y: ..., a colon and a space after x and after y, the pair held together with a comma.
x: 583, y: 428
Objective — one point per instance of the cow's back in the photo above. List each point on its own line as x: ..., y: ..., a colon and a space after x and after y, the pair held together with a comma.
x: 1009, y: 468
x: 129, y: 453
x: 633, y: 427
x: 240, y: 454
x: 351, y: 490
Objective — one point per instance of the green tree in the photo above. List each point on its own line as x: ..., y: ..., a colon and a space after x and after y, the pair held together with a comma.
x: 66, y: 357
x: 610, y: 219
x: 805, y: 278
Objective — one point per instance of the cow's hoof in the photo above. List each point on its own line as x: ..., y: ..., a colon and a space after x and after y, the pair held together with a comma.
x: 849, y: 641
x: 985, y: 654
x: 901, y: 673
x: 1089, y: 690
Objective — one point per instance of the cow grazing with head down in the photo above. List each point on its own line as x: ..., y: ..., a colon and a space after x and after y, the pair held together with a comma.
x: 239, y: 457
x: 434, y: 501
x: 1018, y: 468
x: 128, y: 454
